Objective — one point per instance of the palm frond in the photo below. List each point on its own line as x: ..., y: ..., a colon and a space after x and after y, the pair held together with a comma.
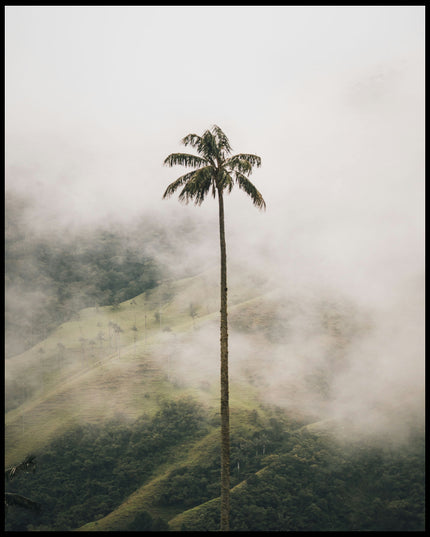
x: 198, y: 186
x: 243, y: 162
x: 203, y: 144
x: 223, y: 141
x: 209, y: 147
x: 192, y: 139
x: 27, y: 465
x: 226, y: 182
x: 185, y: 159
x: 246, y: 185
x: 240, y: 165
x: 21, y: 501
x: 171, y: 189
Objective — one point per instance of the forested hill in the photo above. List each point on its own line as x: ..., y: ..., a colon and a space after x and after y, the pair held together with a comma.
x: 121, y: 408
x: 52, y: 273
x: 112, y: 383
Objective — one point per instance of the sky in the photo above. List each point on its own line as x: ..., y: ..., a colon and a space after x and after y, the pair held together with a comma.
x: 330, y: 97
x: 96, y: 97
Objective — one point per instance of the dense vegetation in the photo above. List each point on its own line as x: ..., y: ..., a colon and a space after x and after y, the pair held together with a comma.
x: 289, y: 479
x: 318, y: 486
x: 51, y: 274
x: 90, y: 470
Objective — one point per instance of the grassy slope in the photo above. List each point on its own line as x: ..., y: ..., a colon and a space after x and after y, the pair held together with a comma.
x: 92, y: 379
x: 143, y: 498
x: 100, y: 374
x: 73, y: 384
x: 176, y: 522
x: 146, y: 497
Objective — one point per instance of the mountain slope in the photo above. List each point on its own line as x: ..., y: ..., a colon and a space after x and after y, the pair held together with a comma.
x: 104, y: 403
x: 111, y: 361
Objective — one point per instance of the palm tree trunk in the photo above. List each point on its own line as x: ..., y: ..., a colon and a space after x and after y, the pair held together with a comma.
x: 225, y: 425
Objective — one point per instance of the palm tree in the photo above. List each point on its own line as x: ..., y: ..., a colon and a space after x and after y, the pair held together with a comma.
x: 216, y: 172
x: 13, y: 499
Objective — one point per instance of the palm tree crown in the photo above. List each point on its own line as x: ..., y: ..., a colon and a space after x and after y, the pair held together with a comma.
x: 215, y: 169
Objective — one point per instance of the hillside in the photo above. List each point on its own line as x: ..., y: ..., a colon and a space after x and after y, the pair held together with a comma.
x: 109, y: 362
x: 121, y: 407
x: 54, y: 272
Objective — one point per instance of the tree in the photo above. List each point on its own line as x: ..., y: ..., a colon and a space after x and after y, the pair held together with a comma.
x: 193, y: 312
x: 13, y: 499
x: 216, y: 172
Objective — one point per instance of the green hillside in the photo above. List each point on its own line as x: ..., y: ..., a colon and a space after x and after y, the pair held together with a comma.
x: 111, y: 361
x: 120, y: 406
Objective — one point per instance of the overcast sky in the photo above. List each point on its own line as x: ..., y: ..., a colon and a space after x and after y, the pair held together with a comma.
x: 331, y: 98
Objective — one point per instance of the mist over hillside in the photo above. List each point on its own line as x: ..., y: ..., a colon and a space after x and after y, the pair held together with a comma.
x: 112, y: 292
x: 52, y: 272
x: 345, y: 227
x: 124, y: 398
x: 310, y: 348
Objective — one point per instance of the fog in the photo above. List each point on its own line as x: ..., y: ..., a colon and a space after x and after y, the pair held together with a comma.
x: 331, y: 99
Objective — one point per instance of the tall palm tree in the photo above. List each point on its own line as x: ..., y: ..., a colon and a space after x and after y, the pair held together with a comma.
x: 216, y: 172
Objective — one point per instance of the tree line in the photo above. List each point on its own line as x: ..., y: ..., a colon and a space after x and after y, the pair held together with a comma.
x: 289, y: 479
